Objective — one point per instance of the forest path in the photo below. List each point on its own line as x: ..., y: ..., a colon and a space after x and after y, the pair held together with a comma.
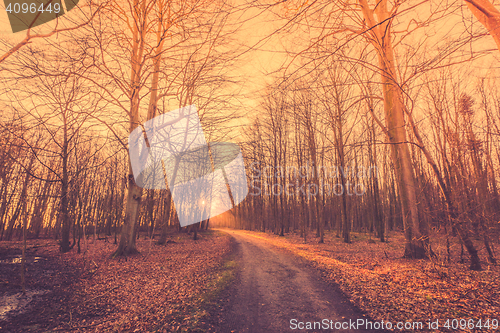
x: 273, y: 287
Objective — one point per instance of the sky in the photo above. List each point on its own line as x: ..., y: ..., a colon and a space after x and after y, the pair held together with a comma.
x: 256, y: 27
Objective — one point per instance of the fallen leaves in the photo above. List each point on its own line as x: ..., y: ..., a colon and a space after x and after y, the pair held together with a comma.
x: 157, y: 290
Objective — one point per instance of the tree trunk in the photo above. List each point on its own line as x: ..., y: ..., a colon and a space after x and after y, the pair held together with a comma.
x: 416, y: 235
x: 166, y: 222
x: 134, y: 196
x: 65, y: 244
x: 488, y: 15
x: 128, y: 233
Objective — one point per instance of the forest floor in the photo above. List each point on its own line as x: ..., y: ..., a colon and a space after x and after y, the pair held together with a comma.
x: 241, y: 281
x: 377, y: 280
x: 167, y: 288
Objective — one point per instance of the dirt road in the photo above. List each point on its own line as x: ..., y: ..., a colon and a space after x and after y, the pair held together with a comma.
x: 277, y: 292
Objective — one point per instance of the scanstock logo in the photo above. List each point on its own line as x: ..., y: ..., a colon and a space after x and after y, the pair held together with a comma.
x: 26, y: 14
x: 170, y: 151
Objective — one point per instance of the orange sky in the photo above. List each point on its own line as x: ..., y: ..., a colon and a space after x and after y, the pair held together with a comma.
x: 255, y: 66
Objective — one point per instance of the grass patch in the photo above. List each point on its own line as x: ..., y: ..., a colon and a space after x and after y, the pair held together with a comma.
x: 221, y: 280
x: 207, y: 302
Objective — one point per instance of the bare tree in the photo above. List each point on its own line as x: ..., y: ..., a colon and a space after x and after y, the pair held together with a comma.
x: 60, y: 106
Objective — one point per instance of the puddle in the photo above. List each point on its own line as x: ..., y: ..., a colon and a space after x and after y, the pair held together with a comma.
x: 16, y: 303
x: 18, y: 259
